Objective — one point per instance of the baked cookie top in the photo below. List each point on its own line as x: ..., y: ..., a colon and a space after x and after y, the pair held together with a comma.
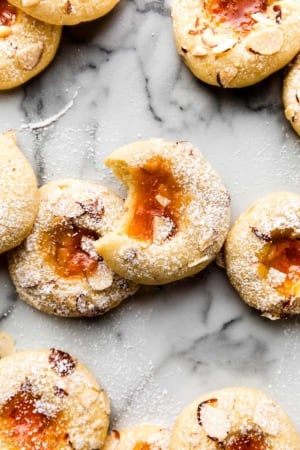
x: 57, y: 268
x: 19, y: 197
x: 140, y: 437
x: 262, y: 255
x: 235, y: 418
x: 234, y: 43
x: 291, y: 94
x: 49, y: 400
x: 27, y: 45
x: 176, y: 212
x: 65, y: 12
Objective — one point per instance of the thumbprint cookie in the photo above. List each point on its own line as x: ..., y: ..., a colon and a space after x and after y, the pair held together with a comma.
x: 27, y: 45
x: 235, y: 418
x: 18, y: 193
x: 65, y: 12
x: 236, y: 43
x: 262, y: 255
x: 176, y: 213
x: 291, y: 94
x: 141, y: 437
x: 49, y: 400
x: 57, y: 269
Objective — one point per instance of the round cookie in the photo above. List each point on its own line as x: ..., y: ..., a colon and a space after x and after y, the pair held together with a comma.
x: 236, y: 43
x: 291, y: 94
x: 262, y: 255
x: 236, y: 418
x: 57, y: 269
x: 141, y: 437
x: 19, y: 197
x: 65, y: 12
x: 176, y: 213
x: 49, y: 400
x: 27, y: 45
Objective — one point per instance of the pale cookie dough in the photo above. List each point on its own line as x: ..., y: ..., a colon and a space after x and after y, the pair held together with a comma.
x: 19, y: 197
x: 291, y: 94
x: 176, y: 213
x: 262, y: 255
x: 27, y: 45
x: 141, y: 437
x: 233, y: 44
x: 65, y: 12
x: 57, y: 269
x: 49, y: 400
x: 236, y: 418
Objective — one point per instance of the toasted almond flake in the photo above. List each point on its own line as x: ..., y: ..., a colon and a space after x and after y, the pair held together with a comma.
x: 260, y: 17
x: 7, y: 344
x: 199, y: 50
x: 163, y: 201
x: 162, y: 229
x: 225, y: 45
x: 225, y: 76
x: 30, y: 2
x: 215, y: 422
x: 270, y: 316
x: 29, y: 56
x: 199, y: 261
x: 4, y: 31
x: 266, y: 41
x: 210, y: 38
x: 87, y: 245
x: 101, y: 279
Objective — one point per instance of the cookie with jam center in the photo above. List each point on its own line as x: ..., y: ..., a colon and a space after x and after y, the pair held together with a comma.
x: 176, y: 213
x: 27, y: 45
x: 57, y: 269
x: 65, y: 12
x: 234, y: 418
x: 140, y: 437
x: 19, y: 198
x: 48, y: 399
x: 236, y: 43
x: 262, y: 255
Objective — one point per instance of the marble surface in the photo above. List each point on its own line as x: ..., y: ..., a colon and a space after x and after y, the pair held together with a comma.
x: 117, y: 80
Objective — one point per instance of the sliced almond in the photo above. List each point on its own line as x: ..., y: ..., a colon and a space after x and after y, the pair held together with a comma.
x: 87, y: 245
x: 260, y: 18
x: 30, y: 2
x: 210, y: 38
x: 162, y: 229
x: 4, y: 31
x: 267, y: 41
x: 29, y: 56
x: 199, y: 50
x: 214, y: 422
x: 7, y: 344
x: 199, y: 261
x: 163, y: 201
x: 226, y: 75
x: 225, y: 45
x: 101, y: 279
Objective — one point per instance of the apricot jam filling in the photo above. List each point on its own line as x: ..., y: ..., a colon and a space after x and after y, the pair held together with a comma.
x: 8, y: 14
x: 236, y: 12
x: 247, y: 441
x: 141, y: 446
x: 66, y: 253
x: 156, y: 194
x: 282, y: 254
x: 23, y: 425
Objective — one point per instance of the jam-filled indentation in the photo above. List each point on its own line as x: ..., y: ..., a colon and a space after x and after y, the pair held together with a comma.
x: 282, y: 254
x: 236, y: 12
x: 156, y: 194
x: 24, y: 424
x: 251, y: 440
x: 141, y: 446
x: 8, y: 13
x: 67, y: 248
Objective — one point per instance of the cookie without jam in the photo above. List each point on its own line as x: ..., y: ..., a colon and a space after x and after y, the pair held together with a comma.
x: 18, y: 193
x: 235, y: 43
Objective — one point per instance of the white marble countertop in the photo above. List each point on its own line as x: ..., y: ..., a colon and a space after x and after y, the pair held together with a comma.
x: 117, y: 80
